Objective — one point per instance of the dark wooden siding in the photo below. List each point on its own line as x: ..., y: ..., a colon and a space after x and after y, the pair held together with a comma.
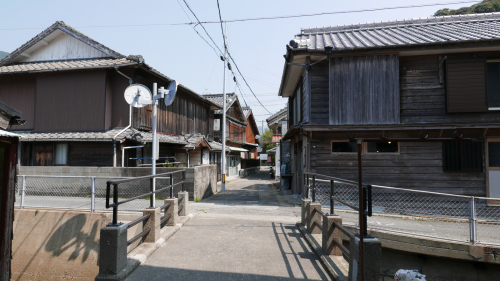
x: 90, y: 154
x: 120, y: 108
x: 305, y: 98
x: 466, y: 85
x: 19, y: 92
x: 423, y: 97
x: 70, y: 101
x: 417, y: 166
x: 364, y: 90
x: 319, y: 94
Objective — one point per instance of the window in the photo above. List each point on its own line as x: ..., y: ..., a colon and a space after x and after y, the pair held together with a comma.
x: 344, y: 147
x: 463, y: 157
x: 493, y: 82
x: 61, y: 154
x: 296, y: 105
x: 382, y: 147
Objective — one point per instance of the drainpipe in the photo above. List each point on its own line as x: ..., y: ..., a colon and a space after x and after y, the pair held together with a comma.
x: 114, y: 138
x: 187, y: 151
x: 130, y: 81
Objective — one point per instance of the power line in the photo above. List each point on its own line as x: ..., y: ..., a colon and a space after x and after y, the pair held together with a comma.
x: 264, y: 18
x: 237, y: 68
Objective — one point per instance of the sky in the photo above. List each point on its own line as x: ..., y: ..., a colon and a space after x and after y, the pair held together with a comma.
x: 178, y: 51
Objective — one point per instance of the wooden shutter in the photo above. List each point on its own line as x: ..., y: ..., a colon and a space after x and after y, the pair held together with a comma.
x: 466, y: 85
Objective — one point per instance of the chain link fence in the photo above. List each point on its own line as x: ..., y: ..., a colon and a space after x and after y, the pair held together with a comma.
x: 429, y: 214
x: 79, y: 192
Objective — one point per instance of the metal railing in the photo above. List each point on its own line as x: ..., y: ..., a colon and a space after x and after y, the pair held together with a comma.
x: 428, y: 214
x: 151, y: 193
x: 80, y: 192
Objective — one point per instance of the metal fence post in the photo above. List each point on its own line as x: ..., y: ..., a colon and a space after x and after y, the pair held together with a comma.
x: 472, y: 219
x: 314, y: 190
x: 171, y: 186
x: 92, y: 194
x: 23, y: 192
x: 331, y: 196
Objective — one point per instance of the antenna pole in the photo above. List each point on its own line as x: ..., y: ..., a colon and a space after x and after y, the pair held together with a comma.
x: 223, y: 154
x: 154, y: 155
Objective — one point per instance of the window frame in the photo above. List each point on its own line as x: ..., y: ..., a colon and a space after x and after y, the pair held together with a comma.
x: 343, y: 153
x: 461, y: 156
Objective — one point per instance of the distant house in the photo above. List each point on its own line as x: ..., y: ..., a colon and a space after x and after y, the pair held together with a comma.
x: 236, y: 131
x: 8, y: 159
x: 411, y: 90
x: 277, y: 123
x: 251, y: 133
x: 70, y: 90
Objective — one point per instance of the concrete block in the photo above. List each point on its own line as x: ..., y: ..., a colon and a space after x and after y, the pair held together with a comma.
x: 312, y: 217
x: 153, y: 222
x: 183, y: 203
x: 112, y: 249
x: 304, y: 210
x: 330, y: 233
x: 172, y: 210
x: 372, y: 258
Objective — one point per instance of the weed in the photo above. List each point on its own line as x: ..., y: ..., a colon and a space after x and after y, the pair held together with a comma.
x: 197, y: 200
x: 202, y: 211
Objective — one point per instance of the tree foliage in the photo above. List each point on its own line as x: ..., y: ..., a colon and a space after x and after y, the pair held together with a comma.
x: 487, y: 6
x: 266, y: 140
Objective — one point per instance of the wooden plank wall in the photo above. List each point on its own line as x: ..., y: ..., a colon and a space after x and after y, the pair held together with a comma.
x: 70, y: 101
x: 417, y: 166
x: 304, y: 104
x: 423, y: 97
x: 96, y: 154
x: 319, y: 94
x: 364, y: 90
x: 18, y: 91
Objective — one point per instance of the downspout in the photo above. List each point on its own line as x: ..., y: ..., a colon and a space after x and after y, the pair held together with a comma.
x: 187, y: 151
x: 308, y: 147
x: 130, y: 81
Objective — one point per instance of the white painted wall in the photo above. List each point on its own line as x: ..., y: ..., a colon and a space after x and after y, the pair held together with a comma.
x: 63, y: 47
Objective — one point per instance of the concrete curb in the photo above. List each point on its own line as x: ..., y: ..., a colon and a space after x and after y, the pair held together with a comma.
x: 336, y: 273
x: 140, y: 254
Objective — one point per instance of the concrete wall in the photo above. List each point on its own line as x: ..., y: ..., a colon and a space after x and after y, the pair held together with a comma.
x: 200, y: 181
x: 56, y: 245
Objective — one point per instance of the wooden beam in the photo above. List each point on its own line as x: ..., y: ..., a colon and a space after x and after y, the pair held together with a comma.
x: 25, y: 55
x: 46, y: 43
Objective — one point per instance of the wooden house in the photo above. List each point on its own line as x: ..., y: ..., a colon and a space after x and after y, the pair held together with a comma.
x: 236, y: 131
x: 251, y: 133
x: 70, y: 89
x: 422, y: 94
x: 8, y: 159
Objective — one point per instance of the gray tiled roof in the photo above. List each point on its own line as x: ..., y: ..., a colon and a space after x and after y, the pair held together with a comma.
x: 278, y: 116
x: 217, y: 146
x: 217, y: 99
x: 436, y: 30
x: 73, y: 136
x: 162, y: 138
x: 60, y: 25
x: 65, y: 65
x: 193, y: 140
x: 246, y: 111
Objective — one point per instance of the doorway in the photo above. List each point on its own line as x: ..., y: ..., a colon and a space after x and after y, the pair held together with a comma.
x: 493, y: 168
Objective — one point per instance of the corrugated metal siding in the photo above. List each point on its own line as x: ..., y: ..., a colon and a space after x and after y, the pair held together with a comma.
x: 19, y: 92
x: 364, y: 90
x: 72, y: 101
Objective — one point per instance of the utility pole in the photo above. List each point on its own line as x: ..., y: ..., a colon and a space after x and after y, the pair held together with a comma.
x: 223, y: 154
x: 155, y: 148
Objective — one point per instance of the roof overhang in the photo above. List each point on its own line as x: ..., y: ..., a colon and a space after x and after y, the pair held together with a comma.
x: 238, y: 149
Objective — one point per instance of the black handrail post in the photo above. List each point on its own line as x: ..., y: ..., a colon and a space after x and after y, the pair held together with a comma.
x: 183, y: 180
x: 331, y: 196
x: 365, y: 213
x: 115, y: 204
x: 307, y: 186
x: 314, y: 189
x: 171, y: 186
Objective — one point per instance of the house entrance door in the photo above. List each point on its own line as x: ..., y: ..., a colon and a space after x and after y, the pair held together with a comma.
x: 493, y: 167
x: 232, y: 164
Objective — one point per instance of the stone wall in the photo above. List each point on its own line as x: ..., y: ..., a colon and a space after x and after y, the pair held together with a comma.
x: 200, y: 181
x: 249, y: 171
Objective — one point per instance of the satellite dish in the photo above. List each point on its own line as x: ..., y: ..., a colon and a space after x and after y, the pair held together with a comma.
x: 138, y: 95
x: 172, y: 89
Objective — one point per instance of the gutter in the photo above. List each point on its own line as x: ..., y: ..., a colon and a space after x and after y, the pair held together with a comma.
x: 129, y: 120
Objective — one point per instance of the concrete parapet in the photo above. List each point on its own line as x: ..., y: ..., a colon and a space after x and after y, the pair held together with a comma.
x: 183, y: 203
x: 312, y: 217
x: 153, y: 222
x: 372, y: 257
x: 172, y: 210
x: 112, y: 250
x: 330, y: 233
x: 303, y: 213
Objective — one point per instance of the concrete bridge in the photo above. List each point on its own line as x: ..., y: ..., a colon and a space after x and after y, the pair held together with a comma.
x: 250, y: 232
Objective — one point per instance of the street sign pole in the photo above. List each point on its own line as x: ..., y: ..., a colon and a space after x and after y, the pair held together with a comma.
x: 154, y: 145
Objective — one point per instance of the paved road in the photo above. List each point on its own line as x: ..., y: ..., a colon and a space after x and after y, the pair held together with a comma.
x: 246, y: 233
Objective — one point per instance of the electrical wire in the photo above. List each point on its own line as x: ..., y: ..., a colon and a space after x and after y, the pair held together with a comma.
x: 265, y: 18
